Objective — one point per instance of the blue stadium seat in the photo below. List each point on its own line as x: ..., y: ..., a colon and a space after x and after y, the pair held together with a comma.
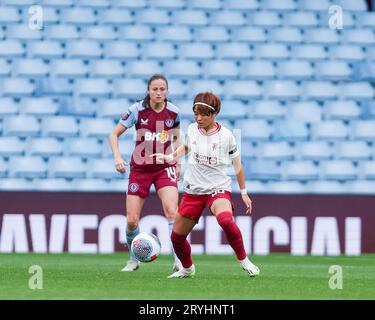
x: 320, y: 90
x: 283, y: 90
x: 62, y: 32
x: 339, y: 170
x: 305, y: 111
x: 93, y: 87
x: 31, y: 68
x: 51, y: 16
x: 50, y: 184
x: 27, y: 167
x: 100, y: 33
x: 353, y: 150
x: 291, y: 130
x: 23, y: 32
x: 295, y: 70
x: 168, y: 4
x: 220, y: 69
x: 368, y: 110
x: 250, y: 34
x: 350, y: 53
x: 256, y: 130
x: 362, y: 187
x: 327, y: 187
x: 265, y: 19
x: 212, y: 34
x: 363, y: 130
x: 309, y: 52
x: 197, y: 51
x: 78, y: 16
x: 9, y: 15
x: 151, y: 16
x: 133, y: 4
x: 280, y: 5
x: 112, y: 108
x: 263, y: 170
x: 58, y: 3
x: 83, y: 147
x: 122, y: 50
x: 185, y: 107
x: 353, y: 5
x: 358, y: 36
x: 316, y: 5
x: 142, y: 68
x: 103, y: 169
x: 66, y: 167
x: 323, y: 36
x: 177, y: 89
x: 342, y: 110
x: 72, y: 68
x: 116, y: 17
x: 11, y: 146
x: 367, y: 169
x: 16, y: 184
x: 235, y: 51
x: 96, y: 4
x: 107, y: 69
x: 366, y: 19
x: 3, y: 169
x: 272, y: 51
x: 190, y: 17
x: 248, y: 150
x: 205, y: 85
x: 205, y: 5
x: 83, y: 49
x: 42, y: 106
x: 54, y: 86
x: 357, y: 91
x: 301, y: 19
x: 286, y: 35
x: 330, y: 130
x: 333, y: 70
x: 232, y: 109
x: 284, y: 187
x: 77, y: 106
x: 174, y: 33
x: 130, y: 88
x: 45, y: 49
x: 301, y: 170
x: 246, y: 6
x: 136, y: 33
x: 158, y: 50
x: 59, y: 126
x: 44, y: 147
x: 277, y: 150
x: 8, y: 107
x: 242, y: 89
x: 97, y: 128
x: 5, y: 68
x: 365, y: 71
x: 258, y: 70
x: 267, y: 109
x: 11, y: 48
x: 315, y: 150
x: 183, y: 69
x: 227, y: 18
x: 18, y: 87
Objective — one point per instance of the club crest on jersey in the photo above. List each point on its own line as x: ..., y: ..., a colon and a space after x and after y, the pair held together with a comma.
x: 214, y: 146
x: 169, y: 123
x: 134, y: 187
x: 144, y: 122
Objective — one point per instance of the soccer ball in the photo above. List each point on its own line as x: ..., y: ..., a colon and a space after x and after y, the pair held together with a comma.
x: 146, y: 247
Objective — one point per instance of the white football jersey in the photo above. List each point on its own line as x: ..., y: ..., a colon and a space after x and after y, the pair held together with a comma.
x: 210, y: 156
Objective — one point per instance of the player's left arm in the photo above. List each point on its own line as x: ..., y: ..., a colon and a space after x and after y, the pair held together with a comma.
x: 240, y: 174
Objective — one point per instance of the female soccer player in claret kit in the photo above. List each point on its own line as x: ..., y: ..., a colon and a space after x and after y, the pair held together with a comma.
x: 157, y: 124
x: 212, y: 148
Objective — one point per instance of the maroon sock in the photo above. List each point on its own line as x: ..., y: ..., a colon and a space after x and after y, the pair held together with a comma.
x: 182, y: 249
x: 232, y: 232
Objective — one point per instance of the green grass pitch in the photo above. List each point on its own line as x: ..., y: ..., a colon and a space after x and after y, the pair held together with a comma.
x: 68, y: 276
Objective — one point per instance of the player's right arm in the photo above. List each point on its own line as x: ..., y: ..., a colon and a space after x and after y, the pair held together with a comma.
x: 178, y: 153
x: 120, y: 164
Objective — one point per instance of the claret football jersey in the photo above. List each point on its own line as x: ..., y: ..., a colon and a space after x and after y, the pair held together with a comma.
x: 210, y: 156
x: 155, y: 131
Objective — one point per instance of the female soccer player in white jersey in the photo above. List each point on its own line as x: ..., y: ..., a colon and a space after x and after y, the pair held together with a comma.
x: 206, y: 183
x: 157, y: 123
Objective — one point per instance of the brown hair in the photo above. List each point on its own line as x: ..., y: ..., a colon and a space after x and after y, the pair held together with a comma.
x: 207, y: 98
x: 157, y: 76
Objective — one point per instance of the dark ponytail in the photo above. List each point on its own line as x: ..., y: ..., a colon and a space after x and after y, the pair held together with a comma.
x: 157, y: 76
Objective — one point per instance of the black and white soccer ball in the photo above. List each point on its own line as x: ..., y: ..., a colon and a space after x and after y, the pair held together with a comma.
x: 146, y: 247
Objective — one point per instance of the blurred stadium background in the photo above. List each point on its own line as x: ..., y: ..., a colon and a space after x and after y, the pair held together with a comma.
x: 296, y: 86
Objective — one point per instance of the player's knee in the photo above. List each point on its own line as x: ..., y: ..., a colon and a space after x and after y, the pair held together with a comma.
x: 170, y: 212
x: 132, y: 223
x: 225, y: 218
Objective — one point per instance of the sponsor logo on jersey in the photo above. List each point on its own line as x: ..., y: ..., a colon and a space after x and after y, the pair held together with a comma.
x: 144, y: 122
x: 160, y: 136
x: 169, y: 123
x: 201, y: 159
x: 133, y: 187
